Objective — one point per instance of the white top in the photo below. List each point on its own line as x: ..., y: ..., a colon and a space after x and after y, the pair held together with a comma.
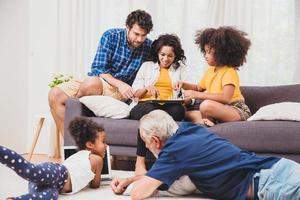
x: 79, y: 168
x: 148, y: 74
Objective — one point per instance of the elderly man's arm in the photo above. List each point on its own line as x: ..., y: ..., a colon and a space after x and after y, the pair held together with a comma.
x: 144, y: 187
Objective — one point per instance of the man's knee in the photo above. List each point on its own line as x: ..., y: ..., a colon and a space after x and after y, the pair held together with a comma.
x: 91, y: 86
x: 56, y: 96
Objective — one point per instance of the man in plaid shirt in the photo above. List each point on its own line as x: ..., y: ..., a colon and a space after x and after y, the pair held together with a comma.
x: 119, y: 56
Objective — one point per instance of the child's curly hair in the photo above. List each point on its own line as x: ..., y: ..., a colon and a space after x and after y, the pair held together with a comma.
x: 230, y: 45
x: 84, y: 130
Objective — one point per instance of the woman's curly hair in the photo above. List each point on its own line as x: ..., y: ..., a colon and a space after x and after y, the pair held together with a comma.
x: 84, y: 130
x: 171, y: 41
x: 230, y: 45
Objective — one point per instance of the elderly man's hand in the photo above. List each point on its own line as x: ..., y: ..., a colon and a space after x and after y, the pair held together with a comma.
x: 119, y: 185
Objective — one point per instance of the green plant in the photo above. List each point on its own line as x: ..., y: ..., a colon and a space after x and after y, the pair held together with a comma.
x: 58, y: 79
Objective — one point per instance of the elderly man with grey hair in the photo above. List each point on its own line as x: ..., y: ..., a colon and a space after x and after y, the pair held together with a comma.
x: 216, y: 167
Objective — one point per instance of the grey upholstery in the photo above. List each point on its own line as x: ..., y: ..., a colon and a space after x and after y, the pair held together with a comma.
x: 277, y: 138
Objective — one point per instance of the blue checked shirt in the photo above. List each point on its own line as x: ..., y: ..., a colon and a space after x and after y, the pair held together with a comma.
x: 115, y: 57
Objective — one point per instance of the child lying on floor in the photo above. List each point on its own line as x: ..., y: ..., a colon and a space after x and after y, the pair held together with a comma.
x: 47, y: 180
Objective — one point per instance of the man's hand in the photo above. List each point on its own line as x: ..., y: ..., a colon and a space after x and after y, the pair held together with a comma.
x: 118, y: 185
x: 126, y: 90
x: 153, y: 90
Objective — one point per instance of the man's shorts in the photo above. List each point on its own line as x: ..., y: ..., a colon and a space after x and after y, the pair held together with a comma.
x: 71, y: 88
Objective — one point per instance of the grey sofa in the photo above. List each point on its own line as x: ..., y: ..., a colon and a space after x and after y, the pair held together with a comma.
x: 276, y: 138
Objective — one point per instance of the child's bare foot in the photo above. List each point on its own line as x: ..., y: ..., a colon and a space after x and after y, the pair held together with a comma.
x: 207, y: 122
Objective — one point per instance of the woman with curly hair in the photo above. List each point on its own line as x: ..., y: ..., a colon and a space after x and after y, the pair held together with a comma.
x: 156, y: 79
x: 47, y: 180
x: 225, y: 50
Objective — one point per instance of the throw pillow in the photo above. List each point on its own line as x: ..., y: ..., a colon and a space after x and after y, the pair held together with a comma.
x: 105, y: 106
x: 278, y: 111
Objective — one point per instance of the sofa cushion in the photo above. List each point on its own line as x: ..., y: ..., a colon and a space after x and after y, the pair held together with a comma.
x: 105, y: 106
x: 278, y: 111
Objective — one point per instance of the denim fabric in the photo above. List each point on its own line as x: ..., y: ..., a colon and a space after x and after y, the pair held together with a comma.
x: 280, y: 182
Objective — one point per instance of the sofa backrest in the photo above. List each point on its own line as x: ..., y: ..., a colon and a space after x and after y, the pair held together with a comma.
x: 258, y: 96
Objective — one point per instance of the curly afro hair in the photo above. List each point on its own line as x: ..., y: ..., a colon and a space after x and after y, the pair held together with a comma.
x: 84, y: 130
x: 230, y: 45
x: 171, y: 41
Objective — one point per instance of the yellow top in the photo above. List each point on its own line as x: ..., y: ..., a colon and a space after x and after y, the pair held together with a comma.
x: 215, y: 79
x: 163, y: 85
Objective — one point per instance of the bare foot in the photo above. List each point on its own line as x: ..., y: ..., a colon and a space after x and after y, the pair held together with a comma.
x: 207, y: 122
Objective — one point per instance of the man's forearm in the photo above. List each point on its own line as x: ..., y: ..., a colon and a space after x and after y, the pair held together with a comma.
x: 144, y: 187
x: 111, y: 80
x: 135, y: 178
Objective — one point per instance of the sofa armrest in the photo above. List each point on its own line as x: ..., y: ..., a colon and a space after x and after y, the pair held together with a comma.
x: 74, y: 108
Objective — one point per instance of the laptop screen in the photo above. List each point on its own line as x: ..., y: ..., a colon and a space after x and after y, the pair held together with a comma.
x: 67, y: 151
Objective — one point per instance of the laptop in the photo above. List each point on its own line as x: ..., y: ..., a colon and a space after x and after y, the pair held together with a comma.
x: 106, y: 175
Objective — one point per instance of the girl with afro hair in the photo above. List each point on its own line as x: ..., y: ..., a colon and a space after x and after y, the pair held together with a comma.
x: 218, y: 91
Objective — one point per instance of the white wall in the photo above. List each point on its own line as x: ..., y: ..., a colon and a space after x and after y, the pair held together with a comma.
x: 41, y: 62
x: 27, y: 56
x: 14, y: 75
